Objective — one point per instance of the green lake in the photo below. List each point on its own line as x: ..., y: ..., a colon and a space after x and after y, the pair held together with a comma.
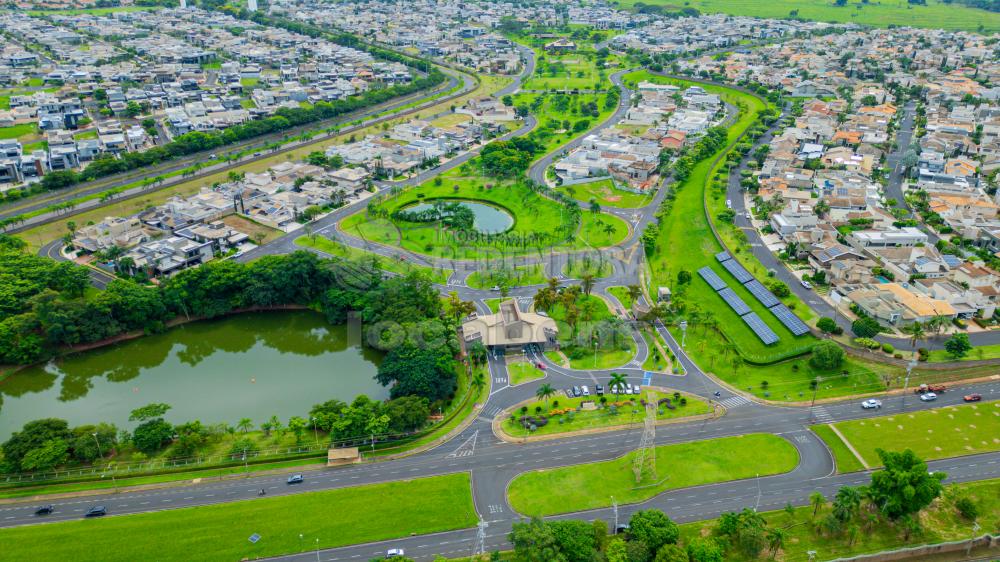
x: 251, y: 365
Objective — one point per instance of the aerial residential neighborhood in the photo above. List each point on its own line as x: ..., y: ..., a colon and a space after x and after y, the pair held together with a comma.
x: 542, y: 281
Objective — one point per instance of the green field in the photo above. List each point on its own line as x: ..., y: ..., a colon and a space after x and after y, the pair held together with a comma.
x: 533, y: 215
x: 500, y: 274
x: 626, y: 411
x: 18, y: 131
x: 621, y: 293
x: 606, y: 195
x: 939, y: 523
x: 577, y: 267
x: 400, y: 267
x: 609, y: 354
x: 521, y: 372
x: 220, y: 532
x: 881, y: 13
x: 590, y: 486
x: 951, y: 431
x: 842, y: 456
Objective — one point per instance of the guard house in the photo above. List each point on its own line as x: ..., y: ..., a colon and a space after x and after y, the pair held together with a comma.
x: 510, y: 328
x: 663, y: 294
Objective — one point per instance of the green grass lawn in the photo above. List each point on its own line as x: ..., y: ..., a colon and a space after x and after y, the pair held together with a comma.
x: 400, y: 267
x: 655, y: 361
x: 590, y: 486
x: 936, y: 14
x: 932, y: 434
x: 500, y: 274
x: 939, y: 523
x: 842, y: 456
x: 611, y: 352
x: 626, y: 411
x: 606, y: 195
x: 566, y: 72
x: 18, y: 131
x: 220, y: 532
x: 521, y: 372
x: 979, y: 353
x: 534, y: 215
x: 249, y: 82
x: 622, y: 294
x: 494, y: 304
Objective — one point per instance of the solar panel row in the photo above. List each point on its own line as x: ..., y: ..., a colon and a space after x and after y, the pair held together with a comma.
x: 758, y: 290
x: 712, y: 278
x: 758, y: 326
x: 741, y: 275
x: 789, y: 319
x: 734, y: 301
x: 723, y: 256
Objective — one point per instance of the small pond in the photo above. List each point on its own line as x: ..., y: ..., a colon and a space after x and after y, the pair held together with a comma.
x: 488, y: 219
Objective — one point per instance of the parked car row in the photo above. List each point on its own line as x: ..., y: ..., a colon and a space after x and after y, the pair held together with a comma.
x: 578, y: 391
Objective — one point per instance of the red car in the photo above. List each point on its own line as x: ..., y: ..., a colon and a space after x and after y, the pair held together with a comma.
x: 540, y: 365
x: 972, y: 397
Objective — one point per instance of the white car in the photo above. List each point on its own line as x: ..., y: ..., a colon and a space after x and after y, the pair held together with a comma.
x: 871, y: 404
x: 806, y: 284
x: 394, y: 553
x: 586, y: 391
x: 928, y: 397
x: 628, y: 388
x: 729, y: 203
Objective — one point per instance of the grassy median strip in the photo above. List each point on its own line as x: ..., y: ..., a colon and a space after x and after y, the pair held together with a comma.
x: 940, y: 433
x: 590, y: 486
x: 221, y: 532
x: 842, y: 456
x: 394, y: 265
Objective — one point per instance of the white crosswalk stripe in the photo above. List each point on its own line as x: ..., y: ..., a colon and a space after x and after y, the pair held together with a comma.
x: 735, y: 402
x: 822, y: 415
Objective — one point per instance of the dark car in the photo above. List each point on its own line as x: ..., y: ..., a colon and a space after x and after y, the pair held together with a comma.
x: 44, y: 510
x: 599, y: 389
x: 96, y: 511
x: 296, y: 479
x: 577, y: 392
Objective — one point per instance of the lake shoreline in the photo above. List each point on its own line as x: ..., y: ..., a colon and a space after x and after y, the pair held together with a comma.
x: 8, y: 370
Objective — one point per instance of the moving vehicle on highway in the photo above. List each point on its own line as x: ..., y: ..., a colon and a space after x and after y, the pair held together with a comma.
x: 96, y: 511
x: 972, y: 397
x: 296, y: 479
x: 871, y: 404
x: 394, y: 553
x: 928, y: 397
x: 44, y: 510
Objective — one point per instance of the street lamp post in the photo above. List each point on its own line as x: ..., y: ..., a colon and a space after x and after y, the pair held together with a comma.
x: 315, y: 431
x: 757, y: 505
x: 684, y: 330
x: 614, y: 506
x: 317, y: 549
x: 906, y: 381
x: 98, y: 441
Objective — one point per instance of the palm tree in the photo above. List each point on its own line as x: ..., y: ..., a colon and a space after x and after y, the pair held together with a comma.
x: 633, y: 292
x: 245, y: 425
x: 618, y: 382
x: 545, y: 391
x: 479, y: 381
x: 775, y: 539
x: 816, y: 499
x: 587, y: 283
x: 916, y: 332
x: 609, y: 228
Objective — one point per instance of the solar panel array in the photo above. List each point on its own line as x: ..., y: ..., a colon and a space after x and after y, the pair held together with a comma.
x: 789, y: 319
x: 758, y: 326
x: 734, y: 267
x: 734, y: 301
x: 712, y: 278
x: 758, y: 290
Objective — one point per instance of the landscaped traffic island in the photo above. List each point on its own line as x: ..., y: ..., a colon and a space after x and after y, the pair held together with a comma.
x: 221, y: 532
x: 563, y: 415
x: 951, y: 431
x: 590, y: 486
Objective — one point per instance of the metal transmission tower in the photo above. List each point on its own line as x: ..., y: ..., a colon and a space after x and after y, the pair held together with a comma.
x: 645, y: 455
